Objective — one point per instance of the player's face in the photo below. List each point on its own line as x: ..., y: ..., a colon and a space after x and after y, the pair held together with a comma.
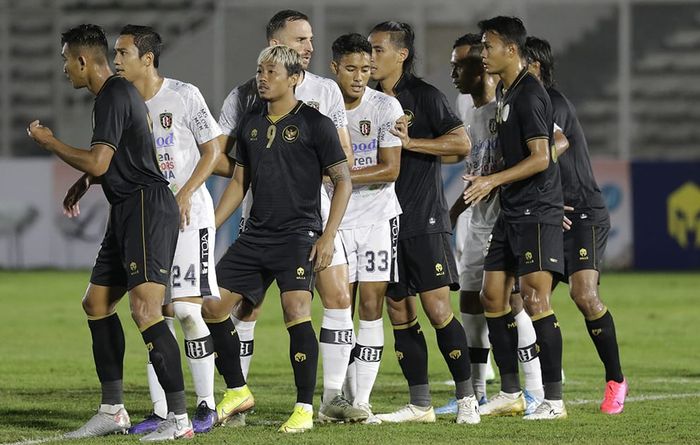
x: 466, y: 70
x: 297, y: 35
x: 127, y: 62
x: 73, y: 66
x: 352, y: 73
x: 273, y: 82
x: 386, y: 57
x: 496, y: 53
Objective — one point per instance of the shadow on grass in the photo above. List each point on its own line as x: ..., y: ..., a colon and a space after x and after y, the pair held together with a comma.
x: 38, y: 419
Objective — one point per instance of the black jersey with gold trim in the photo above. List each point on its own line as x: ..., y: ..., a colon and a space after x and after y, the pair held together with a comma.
x: 419, y: 185
x: 286, y: 158
x: 121, y: 121
x: 524, y: 113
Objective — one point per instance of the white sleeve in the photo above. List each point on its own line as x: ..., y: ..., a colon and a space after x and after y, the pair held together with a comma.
x: 336, y: 106
x: 389, y: 113
x: 200, y: 122
x: 231, y: 112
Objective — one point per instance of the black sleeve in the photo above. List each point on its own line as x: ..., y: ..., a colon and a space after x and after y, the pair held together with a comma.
x: 562, y: 113
x: 442, y: 119
x: 110, y: 116
x: 327, y: 143
x: 534, y: 114
x: 241, y: 148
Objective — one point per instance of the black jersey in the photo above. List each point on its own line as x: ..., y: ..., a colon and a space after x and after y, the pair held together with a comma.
x: 419, y: 185
x: 120, y: 120
x: 286, y: 160
x: 578, y: 183
x: 524, y: 113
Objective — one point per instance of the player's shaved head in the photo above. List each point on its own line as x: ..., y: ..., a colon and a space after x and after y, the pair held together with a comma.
x: 510, y: 29
x: 146, y: 40
x: 279, y: 21
x: 284, y: 55
x: 86, y: 37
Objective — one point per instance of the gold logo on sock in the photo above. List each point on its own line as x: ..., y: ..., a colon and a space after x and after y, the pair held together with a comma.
x: 299, y: 357
x: 596, y: 332
x: 556, y: 325
x: 399, y: 355
x: 512, y: 325
x: 149, y: 346
x: 455, y: 354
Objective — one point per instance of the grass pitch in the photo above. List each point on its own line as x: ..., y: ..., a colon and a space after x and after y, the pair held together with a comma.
x: 48, y: 383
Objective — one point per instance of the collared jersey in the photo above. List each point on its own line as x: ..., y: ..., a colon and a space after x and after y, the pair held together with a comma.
x: 524, y: 113
x: 286, y: 159
x: 120, y: 120
x: 484, y: 159
x: 182, y: 122
x: 419, y: 186
x: 578, y: 183
x: 369, y: 124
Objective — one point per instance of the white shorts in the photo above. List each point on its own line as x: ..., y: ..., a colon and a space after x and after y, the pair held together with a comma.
x: 194, y: 267
x: 372, y: 252
x: 471, y: 262
x: 461, y: 232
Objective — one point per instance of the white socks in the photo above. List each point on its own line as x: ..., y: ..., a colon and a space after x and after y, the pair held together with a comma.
x: 527, y: 339
x: 368, y: 354
x: 478, y: 338
x: 246, y: 334
x: 199, y: 349
x: 335, y: 346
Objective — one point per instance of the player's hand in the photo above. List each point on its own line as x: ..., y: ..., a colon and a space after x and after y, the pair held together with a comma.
x: 41, y: 135
x: 184, y: 203
x: 400, y: 130
x: 566, y: 223
x: 322, y: 252
x: 71, y: 206
x: 479, y: 189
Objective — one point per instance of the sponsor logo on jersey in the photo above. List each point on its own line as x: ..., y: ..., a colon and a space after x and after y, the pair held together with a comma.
x: 365, y: 127
x: 166, y: 120
x: 290, y: 133
x: 254, y: 134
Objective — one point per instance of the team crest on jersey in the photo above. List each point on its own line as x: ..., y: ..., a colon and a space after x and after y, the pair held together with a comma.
x: 313, y: 104
x: 409, y: 116
x: 365, y: 128
x: 493, y: 127
x: 290, y: 133
x: 166, y: 120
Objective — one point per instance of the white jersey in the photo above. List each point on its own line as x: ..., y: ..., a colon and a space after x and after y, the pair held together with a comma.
x: 369, y: 125
x: 485, y: 158
x: 181, y: 122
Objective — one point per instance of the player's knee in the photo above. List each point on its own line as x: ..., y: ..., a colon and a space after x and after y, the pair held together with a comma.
x: 370, y: 308
x: 587, y: 300
x: 187, y: 313
x: 94, y: 308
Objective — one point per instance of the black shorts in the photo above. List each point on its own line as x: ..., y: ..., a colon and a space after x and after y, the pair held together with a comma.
x: 140, y: 240
x: 249, y: 266
x: 584, y: 246
x: 425, y: 262
x: 523, y: 248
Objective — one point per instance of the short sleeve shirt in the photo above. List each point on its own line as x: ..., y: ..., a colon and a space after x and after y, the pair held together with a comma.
x: 419, y: 186
x: 121, y: 121
x: 524, y: 113
x: 286, y: 160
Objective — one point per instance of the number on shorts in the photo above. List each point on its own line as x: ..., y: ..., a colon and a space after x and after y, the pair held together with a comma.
x: 271, y: 132
x: 189, y: 276
x: 382, y: 256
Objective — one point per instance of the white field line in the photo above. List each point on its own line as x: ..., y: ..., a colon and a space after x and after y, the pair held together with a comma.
x: 640, y: 398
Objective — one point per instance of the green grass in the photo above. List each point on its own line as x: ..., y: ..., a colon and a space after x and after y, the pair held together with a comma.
x: 48, y: 383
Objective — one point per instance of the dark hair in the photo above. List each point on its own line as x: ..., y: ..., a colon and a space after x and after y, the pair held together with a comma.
x: 146, y: 40
x: 474, y: 42
x: 401, y: 36
x: 279, y: 21
x: 539, y: 50
x: 89, y: 36
x: 510, y: 29
x: 350, y: 44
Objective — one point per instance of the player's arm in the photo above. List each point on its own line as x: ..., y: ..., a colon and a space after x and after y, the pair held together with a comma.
x: 457, y: 209
x: 322, y: 251
x: 224, y: 163
x: 561, y: 143
x: 454, y: 159
x: 209, y: 153
x: 537, y: 161
x: 455, y: 142
x: 233, y: 195
x: 386, y: 170
x: 345, y: 142
x: 93, y: 161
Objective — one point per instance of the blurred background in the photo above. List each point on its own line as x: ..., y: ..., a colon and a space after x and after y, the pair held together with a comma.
x: 631, y: 68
